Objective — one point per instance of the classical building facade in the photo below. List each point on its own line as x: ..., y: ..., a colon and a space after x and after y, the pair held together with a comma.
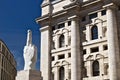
x: 80, y: 39
x: 7, y: 63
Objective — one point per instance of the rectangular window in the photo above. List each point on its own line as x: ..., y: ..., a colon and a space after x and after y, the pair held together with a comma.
x: 69, y: 23
x: 103, y: 12
x: 53, y: 58
x: 84, y: 51
x: 53, y: 28
x: 52, y: 0
x: 61, y: 25
x: 119, y: 8
x: 105, y: 47
x: 61, y: 56
x: 95, y: 49
x: 94, y: 15
x: 69, y: 55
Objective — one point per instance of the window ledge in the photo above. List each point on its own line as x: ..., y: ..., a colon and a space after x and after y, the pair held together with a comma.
x: 94, y: 41
x: 60, y: 49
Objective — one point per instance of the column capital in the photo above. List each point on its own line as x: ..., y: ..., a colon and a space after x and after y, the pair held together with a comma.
x: 111, y: 6
x: 44, y: 28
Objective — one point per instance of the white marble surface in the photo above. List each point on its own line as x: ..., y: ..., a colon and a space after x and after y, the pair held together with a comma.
x: 30, y: 53
x: 28, y: 75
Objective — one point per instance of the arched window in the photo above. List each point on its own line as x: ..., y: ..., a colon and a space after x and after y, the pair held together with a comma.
x: 61, y: 73
x: 94, y: 32
x: 62, y: 41
x: 95, y: 68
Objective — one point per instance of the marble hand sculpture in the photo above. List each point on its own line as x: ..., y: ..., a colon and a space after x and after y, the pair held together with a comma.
x: 30, y: 53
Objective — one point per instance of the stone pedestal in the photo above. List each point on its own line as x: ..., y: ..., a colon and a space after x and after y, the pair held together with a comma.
x: 28, y: 75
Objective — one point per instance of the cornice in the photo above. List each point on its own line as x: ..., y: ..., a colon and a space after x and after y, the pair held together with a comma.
x: 54, y: 15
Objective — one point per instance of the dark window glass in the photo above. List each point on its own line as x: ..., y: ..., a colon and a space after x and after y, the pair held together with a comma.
x: 84, y: 51
x: 69, y: 23
x: 94, y: 32
x: 61, y: 56
x: 61, y: 25
x: 83, y: 19
x: 69, y: 54
x: 105, y: 47
x: 95, y: 68
x: 53, y: 58
x: 61, y: 41
x: 61, y: 73
x: 52, y: 0
x: 53, y: 28
x: 95, y: 49
x: 119, y: 8
x: 103, y: 12
x: 91, y: 16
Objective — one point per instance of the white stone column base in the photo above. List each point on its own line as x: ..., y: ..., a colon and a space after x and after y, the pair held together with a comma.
x: 28, y: 75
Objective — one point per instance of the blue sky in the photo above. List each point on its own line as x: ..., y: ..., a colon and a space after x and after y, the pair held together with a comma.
x: 16, y: 17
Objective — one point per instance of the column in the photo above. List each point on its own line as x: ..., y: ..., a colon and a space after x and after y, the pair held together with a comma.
x: 66, y: 72
x: 57, y: 41
x: 56, y: 75
x: 76, y: 62
x: 113, y: 49
x: 46, y: 53
x: 66, y: 38
x: 100, y: 30
x: 89, y: 68
x: 88, y: 34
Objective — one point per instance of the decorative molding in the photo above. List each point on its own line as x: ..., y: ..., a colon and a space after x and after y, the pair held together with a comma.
x: 99, y: 56
x: 89, y: 58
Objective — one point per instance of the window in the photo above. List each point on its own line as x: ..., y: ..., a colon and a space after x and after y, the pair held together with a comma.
x: 61, y: 56
x: 69, y: 23
x: 103, y: 12
x: 69, y: 55
x: 94, y: 15
x: 105, y: 47
x: 119, y: 8
x: 52, y: 0
x: 53, y: 58
x: 61, y: 25
x: 53, y: 28
x: 95, y: 68
x: 95, y: 49
x: 61, y: 41
x: 83, y: 19
x: 94, y: 32
x: 61, y: 73
x: 84, y: 51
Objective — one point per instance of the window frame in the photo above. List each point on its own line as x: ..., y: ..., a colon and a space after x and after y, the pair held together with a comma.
x: 94, y: 32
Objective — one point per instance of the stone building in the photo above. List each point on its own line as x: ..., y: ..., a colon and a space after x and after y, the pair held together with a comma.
x: 80, y: 39
x: 7, y: 63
